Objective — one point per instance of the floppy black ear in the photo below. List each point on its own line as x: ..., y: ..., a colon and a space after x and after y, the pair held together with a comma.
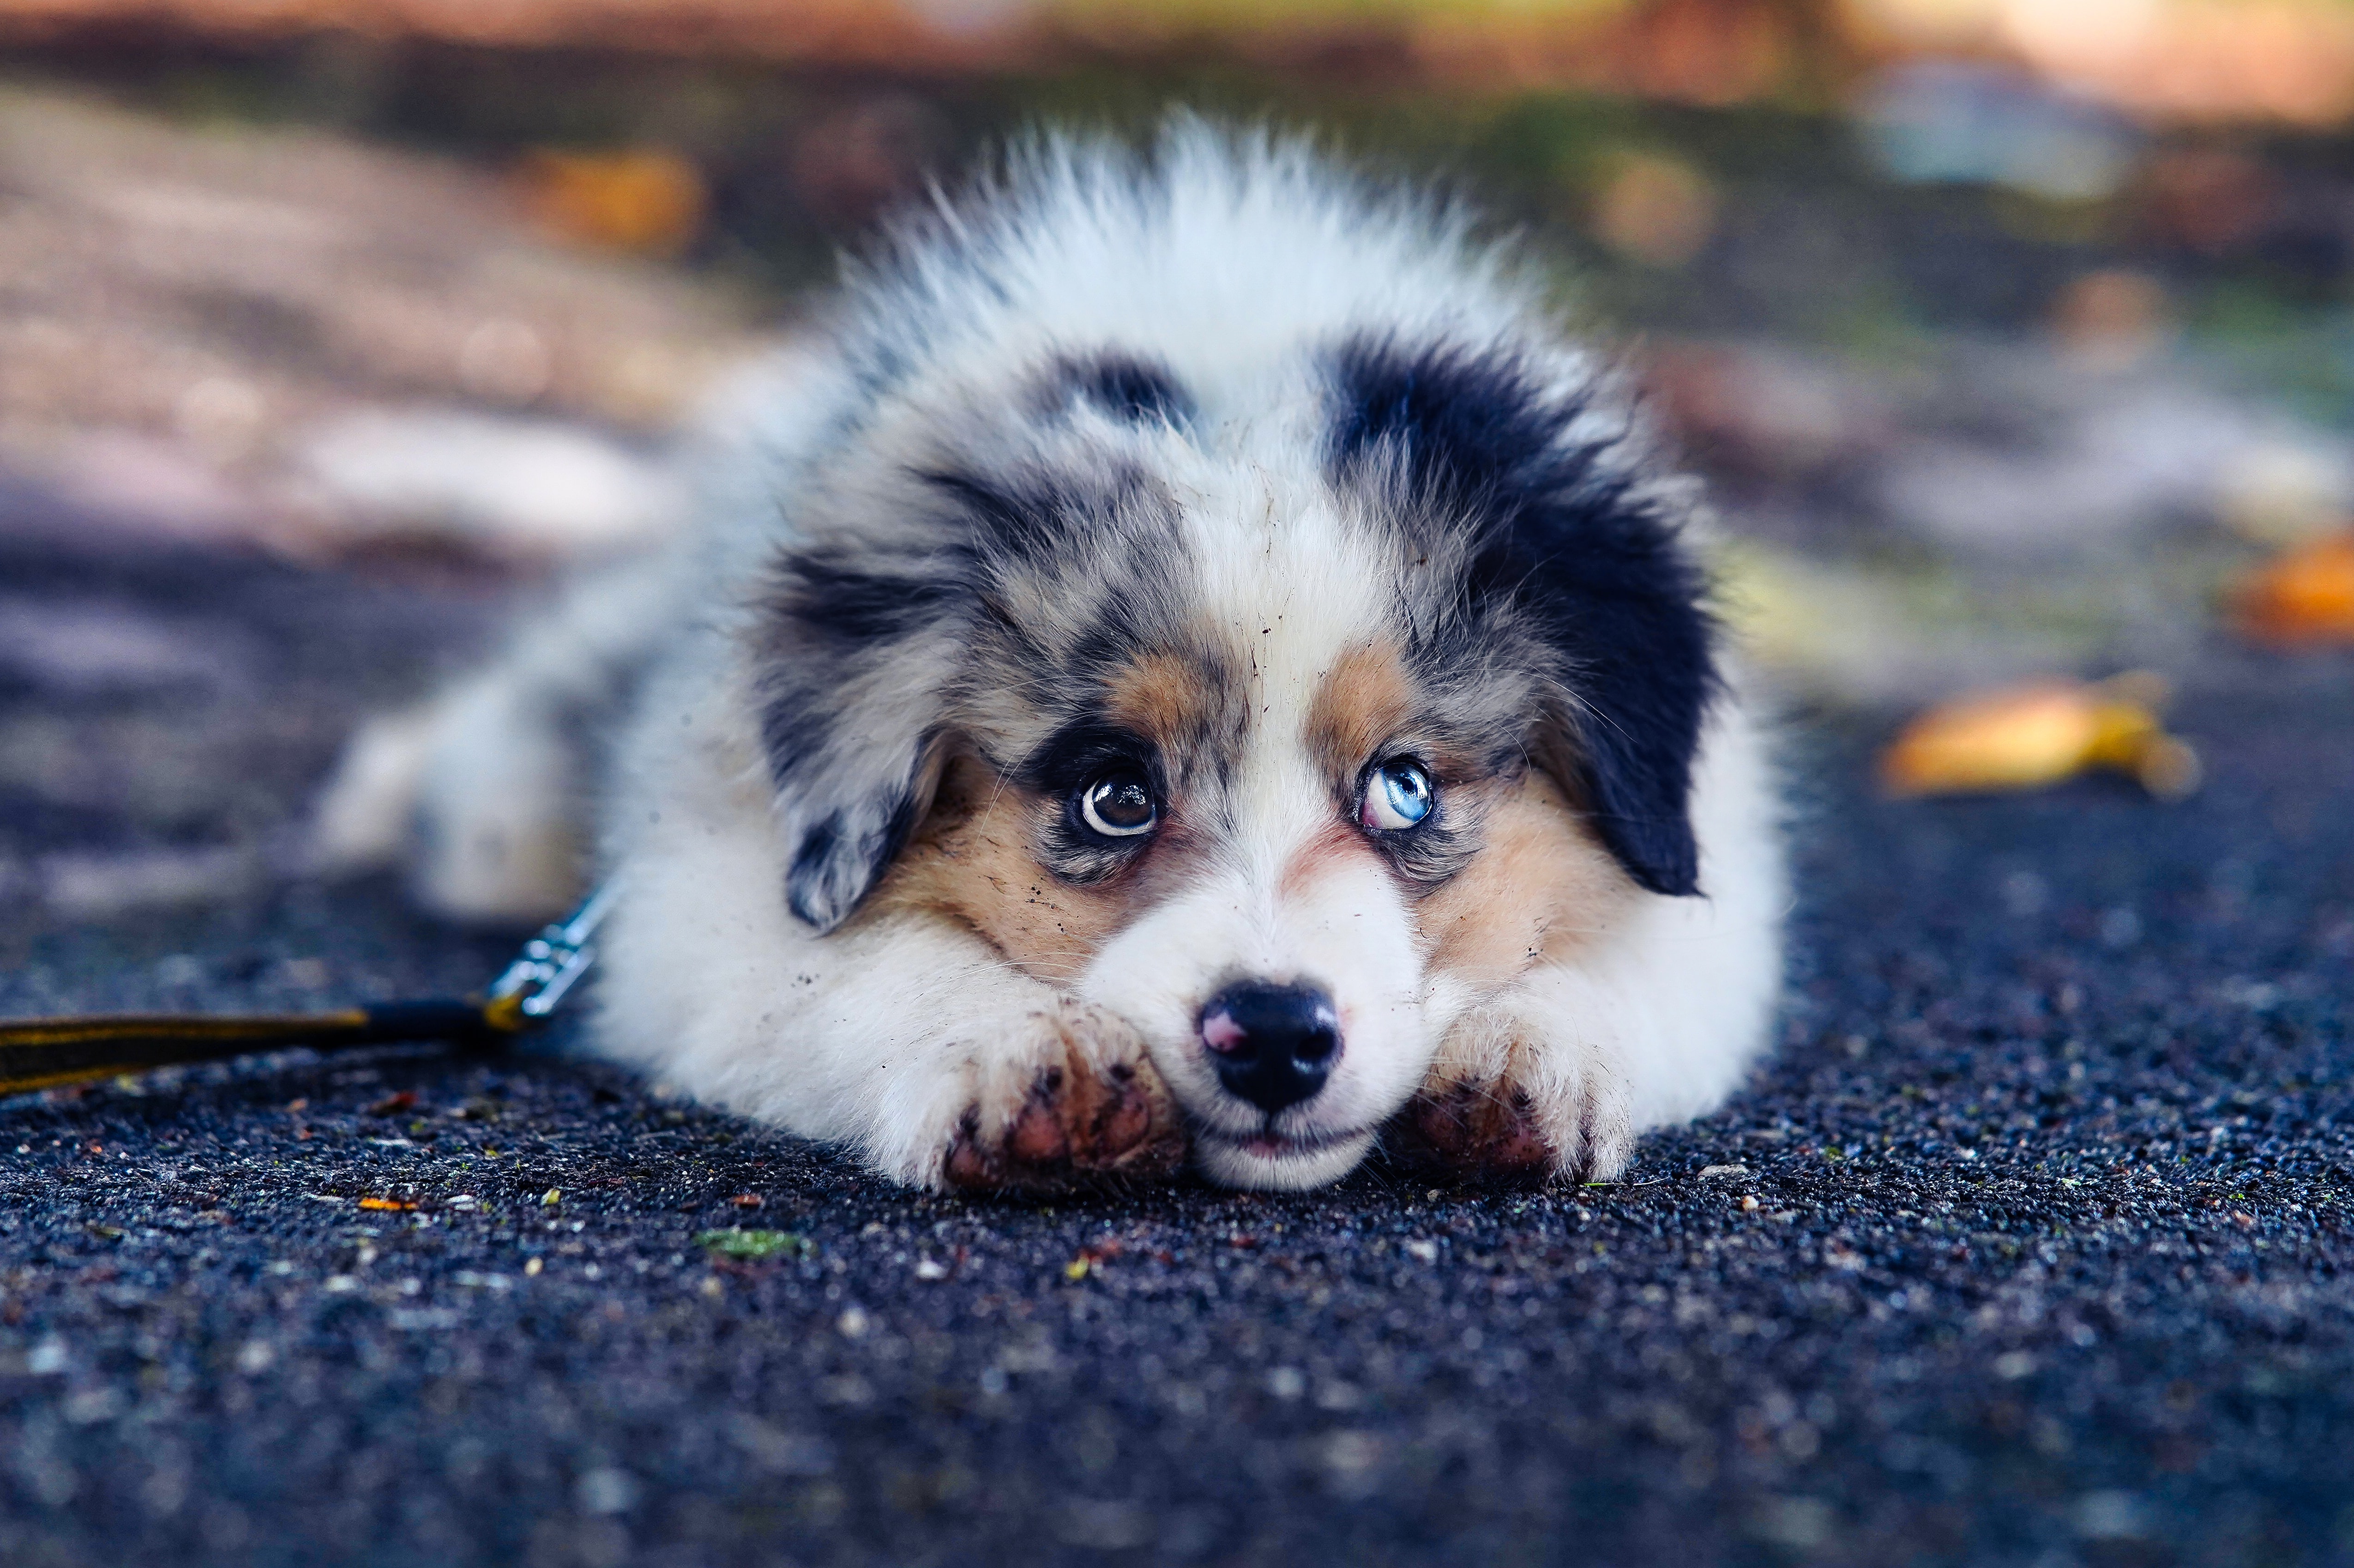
x: 853, y: 662
x: 1572, y: 545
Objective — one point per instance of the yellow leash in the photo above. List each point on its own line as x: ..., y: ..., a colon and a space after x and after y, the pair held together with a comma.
x: 42, y: 1052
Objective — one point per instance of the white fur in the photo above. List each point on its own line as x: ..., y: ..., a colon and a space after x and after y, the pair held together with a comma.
x: 885, y: 1034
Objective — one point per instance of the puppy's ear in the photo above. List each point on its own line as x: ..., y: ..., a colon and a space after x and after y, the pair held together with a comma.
x: 1568, y: 549
x: 853, y: 662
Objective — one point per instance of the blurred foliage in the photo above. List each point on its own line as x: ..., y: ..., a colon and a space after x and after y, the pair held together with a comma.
x: 1795, y: 229
x: 2274, y: 339
x: 1781, y: 214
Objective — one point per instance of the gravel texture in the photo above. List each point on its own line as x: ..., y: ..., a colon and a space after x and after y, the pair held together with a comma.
x: 2031, y: 1245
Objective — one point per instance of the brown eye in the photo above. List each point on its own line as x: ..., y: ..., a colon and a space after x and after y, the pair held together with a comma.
x: 1118, y: 806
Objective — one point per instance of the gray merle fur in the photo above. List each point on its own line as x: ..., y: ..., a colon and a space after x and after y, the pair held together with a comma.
x: 992, y: 619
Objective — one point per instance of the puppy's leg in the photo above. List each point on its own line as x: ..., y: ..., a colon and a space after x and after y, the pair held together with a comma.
x: 480, y: 790
x: 477, y: 793
x: 907, y: 1040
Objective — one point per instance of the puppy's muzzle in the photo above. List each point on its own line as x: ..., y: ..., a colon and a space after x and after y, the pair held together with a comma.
x: 1273, y: 1045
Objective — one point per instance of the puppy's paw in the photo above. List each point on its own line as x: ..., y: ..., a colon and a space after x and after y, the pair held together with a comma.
x: 1503, y: 1108
x: 1485, y: 1134
x: 1079, y: 1104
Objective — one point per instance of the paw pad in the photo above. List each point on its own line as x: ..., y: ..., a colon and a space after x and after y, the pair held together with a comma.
x: 1078, y: 1127
x: 1467, y: 1133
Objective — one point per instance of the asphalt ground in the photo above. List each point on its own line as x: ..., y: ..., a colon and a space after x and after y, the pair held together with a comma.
x: 2031, y: 1245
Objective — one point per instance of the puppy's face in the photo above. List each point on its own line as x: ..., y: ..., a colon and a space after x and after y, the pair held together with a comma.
x: 1288, y: 733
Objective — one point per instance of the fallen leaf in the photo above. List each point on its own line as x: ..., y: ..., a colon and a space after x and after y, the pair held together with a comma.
x: 646, y: 200
x: 390, y: 1206
x: 2027, y: 737
x: 393, y: 1105
x: 747, y: 1200
x: 2305, y: 595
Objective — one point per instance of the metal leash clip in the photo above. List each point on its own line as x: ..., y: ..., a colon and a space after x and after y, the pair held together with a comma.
x: 533, y: 986
x: 48, y: 1052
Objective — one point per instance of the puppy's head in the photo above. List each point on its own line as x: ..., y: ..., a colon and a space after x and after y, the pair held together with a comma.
x: 1289, y: 722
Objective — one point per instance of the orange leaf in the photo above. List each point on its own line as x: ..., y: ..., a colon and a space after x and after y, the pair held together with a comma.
x: 391, y: 1203
x: 2307, y: 595
x: 648, y: 200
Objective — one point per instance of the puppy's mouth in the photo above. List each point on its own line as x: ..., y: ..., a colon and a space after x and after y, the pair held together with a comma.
x: 1267, y: 1159
x: 1268, y: 1144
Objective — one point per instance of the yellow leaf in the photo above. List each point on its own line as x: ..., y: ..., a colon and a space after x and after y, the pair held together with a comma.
x: 2027, y: 737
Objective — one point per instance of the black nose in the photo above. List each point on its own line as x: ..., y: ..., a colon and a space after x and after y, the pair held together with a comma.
x: 1273, y: 1044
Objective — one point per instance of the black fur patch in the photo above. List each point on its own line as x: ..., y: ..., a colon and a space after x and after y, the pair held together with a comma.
x: 850, y: 604
x: 1029, y: 518
x: 1558, y: 556
x: 1084, y: 748
x: 1122, y: 385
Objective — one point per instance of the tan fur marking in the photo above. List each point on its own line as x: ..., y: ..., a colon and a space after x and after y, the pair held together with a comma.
x: 1365, y: 698
x: 971, y: 858
x: 1166, y: 698
x: 1541, y: 886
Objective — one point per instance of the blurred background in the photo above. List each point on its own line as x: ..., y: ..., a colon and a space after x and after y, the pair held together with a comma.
x: 2015, y: 335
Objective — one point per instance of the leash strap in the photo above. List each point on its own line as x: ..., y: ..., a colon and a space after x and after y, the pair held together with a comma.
x: 43, y: 1053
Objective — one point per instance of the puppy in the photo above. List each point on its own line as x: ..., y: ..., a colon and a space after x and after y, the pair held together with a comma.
x: 1192, y: 666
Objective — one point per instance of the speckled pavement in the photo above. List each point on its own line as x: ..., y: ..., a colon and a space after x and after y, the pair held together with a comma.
x: 2031, y: 1245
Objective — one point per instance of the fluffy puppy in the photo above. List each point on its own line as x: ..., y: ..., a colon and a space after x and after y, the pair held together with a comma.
x: 1190, y: 664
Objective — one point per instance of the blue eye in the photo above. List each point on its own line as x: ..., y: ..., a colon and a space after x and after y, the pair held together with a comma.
x: 1398, y: 794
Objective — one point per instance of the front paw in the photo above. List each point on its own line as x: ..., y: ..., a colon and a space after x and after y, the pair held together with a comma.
x: 1079, y: 1104
x: 1501, y: 1107
x: 1484, y: 1133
